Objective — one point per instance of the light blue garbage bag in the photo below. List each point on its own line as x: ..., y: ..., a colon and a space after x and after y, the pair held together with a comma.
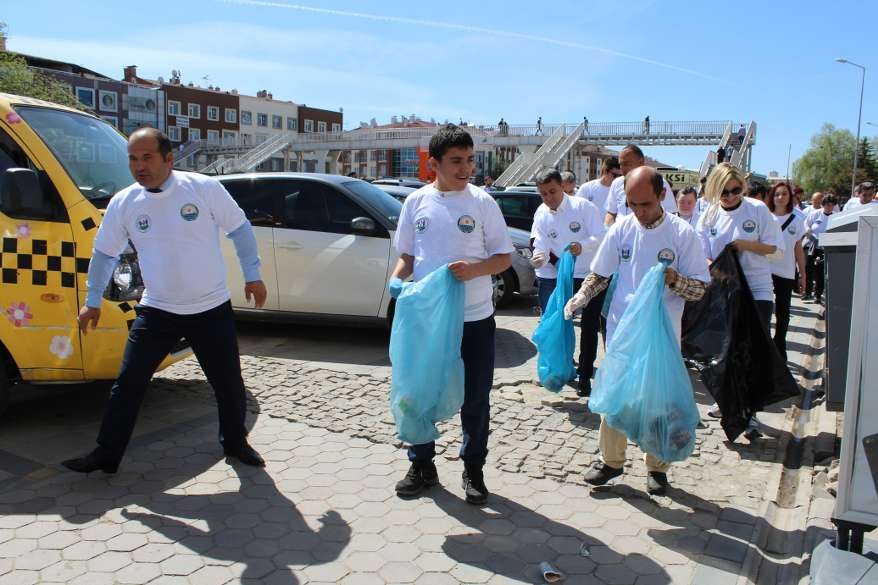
x: 642, y: 387
x: 427, y: 383
x: 554, y: 336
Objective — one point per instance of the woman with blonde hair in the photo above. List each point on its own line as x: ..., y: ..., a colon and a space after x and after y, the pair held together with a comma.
x: 746, y: 224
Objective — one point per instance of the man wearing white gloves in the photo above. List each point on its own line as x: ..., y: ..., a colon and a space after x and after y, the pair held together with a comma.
x: 560, y: 221
x: 632, y: 246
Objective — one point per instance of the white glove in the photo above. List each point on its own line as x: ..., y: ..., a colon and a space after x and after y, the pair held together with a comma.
x: 574, y: 304
x: 538, y: 259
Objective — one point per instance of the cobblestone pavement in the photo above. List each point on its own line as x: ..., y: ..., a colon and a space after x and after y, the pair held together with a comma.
x: 324, y: 511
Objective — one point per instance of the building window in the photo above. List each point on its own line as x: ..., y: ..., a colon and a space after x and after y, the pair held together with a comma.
x: 174, y: 133
x: 277, y: 122
x: 262, y: 119
x: 336, y: 127
x: 213, y: 113
x: 109, y: 101
x: 309, y: 125
x: 260, y: 138
x: 246, y: 139
x: 230, y: 137
x: 293, y: 124
x: 213, y: 136
x: 112, y: 120
x: 195, y: 111
x: 321, y: 126
x: 231, y: 115
x: 86, y: 96
x: 173, y: 108
x: 194, y: 134
x: 246, y: 118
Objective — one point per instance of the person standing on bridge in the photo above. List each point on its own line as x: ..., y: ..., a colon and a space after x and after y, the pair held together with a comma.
x: 632, y: 246
x: 173, y: 219
x: 452, y: 223
x: 597, y: 190
x: 646, y: 125
x: 539, y: 131
x: 631, y: 158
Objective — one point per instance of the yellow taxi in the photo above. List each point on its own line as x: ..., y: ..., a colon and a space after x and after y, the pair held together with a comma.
x: 59, y: 167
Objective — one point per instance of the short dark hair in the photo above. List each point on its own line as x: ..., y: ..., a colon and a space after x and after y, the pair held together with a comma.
x: 830, y: 198
x: 547, y: 175
x: 687, y: 191
x: 449, y: 136
x: 609, y: 164
x: 635, y: 149
x: 755, y: 188
x: 165, y: 147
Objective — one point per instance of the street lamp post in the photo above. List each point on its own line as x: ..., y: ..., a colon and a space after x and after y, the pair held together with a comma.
x: 859, y: 117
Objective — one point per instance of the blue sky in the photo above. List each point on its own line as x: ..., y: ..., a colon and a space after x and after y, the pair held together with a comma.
x: 772, y: 62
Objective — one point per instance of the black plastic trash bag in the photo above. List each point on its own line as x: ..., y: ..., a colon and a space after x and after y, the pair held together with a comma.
x: 725, y: 340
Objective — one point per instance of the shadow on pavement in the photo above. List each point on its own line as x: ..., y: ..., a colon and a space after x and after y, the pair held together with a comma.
x: 511, y: 540
x: 513, y: 348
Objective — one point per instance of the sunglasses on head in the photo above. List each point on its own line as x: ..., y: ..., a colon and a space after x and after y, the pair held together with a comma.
x: 736, y: 191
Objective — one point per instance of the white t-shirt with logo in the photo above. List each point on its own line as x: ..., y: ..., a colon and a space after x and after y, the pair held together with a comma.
x: 630, y: 250
x: 753, y: 221
x: 595, y: 192
x: 176, y: 236
x: 855, y: 203
x: 575, y: 220
x: 617, y: 204
x: 786, y: 266
x: 818, y: 223
x: 438, y: 228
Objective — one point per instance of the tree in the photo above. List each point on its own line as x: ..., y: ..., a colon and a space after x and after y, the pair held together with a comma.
x: 828, y: 163
x: 17, y: 78
x: 867, y: 165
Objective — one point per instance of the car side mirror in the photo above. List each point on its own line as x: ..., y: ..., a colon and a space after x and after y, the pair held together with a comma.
x: 364, y: 226
x: 21, y: 190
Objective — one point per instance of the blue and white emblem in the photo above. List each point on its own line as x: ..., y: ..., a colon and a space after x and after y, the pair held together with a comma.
x: 626, y: 253
x: 189, y: 212
x: 143, y: 224
x: 421, y: 225
x: 553, y: 234
x: 666, y: 256
x: 749, y: 226
x: 466, y: 224
x: 575, y: 226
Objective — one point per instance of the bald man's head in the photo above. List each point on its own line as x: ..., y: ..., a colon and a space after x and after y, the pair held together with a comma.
x: 644, y: 191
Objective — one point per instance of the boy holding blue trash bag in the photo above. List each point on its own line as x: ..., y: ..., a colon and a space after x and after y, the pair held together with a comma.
x: 452, y: 223
x: 563, y: 221
x: 633, y: 246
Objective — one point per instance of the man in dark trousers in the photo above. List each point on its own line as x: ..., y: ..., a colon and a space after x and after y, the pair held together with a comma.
x: 173, y: 220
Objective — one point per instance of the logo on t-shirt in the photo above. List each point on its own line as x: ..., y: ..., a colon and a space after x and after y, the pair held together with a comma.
x: 553, y: 234
x: 143, y: 224
x: 466, y: 224
x: 189, y: 212
x: 666, y: 256
x: 749, y: 226
x: 421, y: 225
x: 626, y: 253
x: 792, y: 230
x: 712, y: 231
x: 575, y: 226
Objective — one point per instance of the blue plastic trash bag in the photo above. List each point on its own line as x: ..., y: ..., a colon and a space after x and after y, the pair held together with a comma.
x: 608, y: 298
x: 642, y: 387
x: 427, y: 375
x: 554, y: 336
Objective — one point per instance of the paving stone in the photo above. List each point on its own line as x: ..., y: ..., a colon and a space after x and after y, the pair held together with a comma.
x: 37, y: 560
x: 181, y: 565
x: 138, y: 573
x: 63, y: 571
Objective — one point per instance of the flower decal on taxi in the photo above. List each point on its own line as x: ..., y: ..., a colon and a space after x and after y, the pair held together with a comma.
x: 19, y: 314
x: 22, y: 230
x: 61, y: 346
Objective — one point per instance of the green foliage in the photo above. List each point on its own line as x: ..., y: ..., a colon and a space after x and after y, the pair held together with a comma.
x: 867, y: 165
x: 16, y: 78
x: 828, y: 163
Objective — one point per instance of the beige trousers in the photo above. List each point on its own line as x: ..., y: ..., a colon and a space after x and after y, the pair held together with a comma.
x: 613, y: 444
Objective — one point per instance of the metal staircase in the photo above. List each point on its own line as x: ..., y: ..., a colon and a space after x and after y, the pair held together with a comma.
x: 528, y: 165
x: 711, y: 160
x: 741, y: 156
x: 739, y: 153
x: 561, y: 150
x: 191, y: 149
x: 250, y: 159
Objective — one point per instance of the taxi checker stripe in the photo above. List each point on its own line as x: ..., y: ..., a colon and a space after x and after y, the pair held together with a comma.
x: 15, y: 263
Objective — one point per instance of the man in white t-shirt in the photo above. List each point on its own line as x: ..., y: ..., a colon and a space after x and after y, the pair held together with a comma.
x: 597, y: 190
x: 631, y: 247
x: 632, y: 158
x: 561, y: 221
x: 568, y: 182
x: 450, y: 222
x: 864, y: 195
x: 173, y: 220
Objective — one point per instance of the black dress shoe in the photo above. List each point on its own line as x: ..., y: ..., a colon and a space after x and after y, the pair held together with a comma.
x: 584, y: 387
x: 94, y: 461
x: 246, y: 455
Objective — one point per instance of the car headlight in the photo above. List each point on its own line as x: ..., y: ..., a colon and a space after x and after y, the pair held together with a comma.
x: 523, y: 251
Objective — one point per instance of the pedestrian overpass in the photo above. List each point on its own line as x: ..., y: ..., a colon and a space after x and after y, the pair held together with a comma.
x: 537, y: 146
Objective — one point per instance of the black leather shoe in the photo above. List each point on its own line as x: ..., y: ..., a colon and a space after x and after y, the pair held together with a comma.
x: 473, y: 483
x: 657, y: 483
x: 246, y: 455
x: 97, y: 460
x: 584, y: 388
x: 600, y: 473
x: 420, y: 476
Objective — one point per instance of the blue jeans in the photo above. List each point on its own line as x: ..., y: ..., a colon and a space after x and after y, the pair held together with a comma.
x: 153, y: 334
x: 545, y: 288
x: 477, y: 352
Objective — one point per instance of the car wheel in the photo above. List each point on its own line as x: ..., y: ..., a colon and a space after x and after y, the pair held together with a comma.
x: 504, y: 288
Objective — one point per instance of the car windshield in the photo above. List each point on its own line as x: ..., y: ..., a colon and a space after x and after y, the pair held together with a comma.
x: 382, y: 202
x: 92, y: 152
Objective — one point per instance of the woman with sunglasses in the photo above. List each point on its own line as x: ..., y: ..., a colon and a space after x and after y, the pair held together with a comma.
x: 781, y: 202
x: 748, y: 225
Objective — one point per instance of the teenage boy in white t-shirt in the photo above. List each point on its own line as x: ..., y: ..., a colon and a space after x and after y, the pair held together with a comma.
x: 597, y: 190
x: 631, y: 247
x: 630, y: 158
x: 560, y: 221
x: 450, y: 222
